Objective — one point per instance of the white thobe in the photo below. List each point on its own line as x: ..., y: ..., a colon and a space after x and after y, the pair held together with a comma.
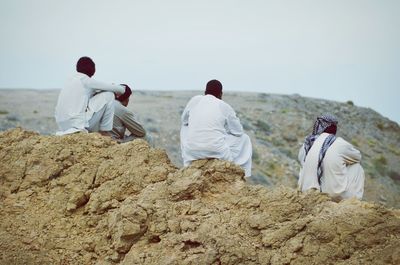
x: 211, y: 129
x: 77, y: 105
x: 342, y: 175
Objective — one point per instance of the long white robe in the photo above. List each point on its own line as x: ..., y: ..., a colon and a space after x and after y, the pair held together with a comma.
x: 75, y: 109
x: 342, y: 176
x: 211, y: 129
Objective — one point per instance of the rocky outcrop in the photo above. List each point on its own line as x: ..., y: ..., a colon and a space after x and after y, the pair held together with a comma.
x: 276, y: 124
x: 83, y: 199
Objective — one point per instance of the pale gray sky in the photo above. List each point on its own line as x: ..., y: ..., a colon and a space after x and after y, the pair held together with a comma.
x: 340, y: 50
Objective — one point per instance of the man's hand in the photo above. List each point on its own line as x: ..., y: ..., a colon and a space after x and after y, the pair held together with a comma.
x: 119, y: 94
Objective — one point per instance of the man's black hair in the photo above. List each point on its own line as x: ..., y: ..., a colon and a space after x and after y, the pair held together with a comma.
x: 85, y: 65
x: 126, y: 95
x: 214, y: 87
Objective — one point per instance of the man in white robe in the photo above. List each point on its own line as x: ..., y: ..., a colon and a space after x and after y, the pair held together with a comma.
x: 329, y: 163
x: 124, y: 119
x: 85, y: 104
x: 211, y: 129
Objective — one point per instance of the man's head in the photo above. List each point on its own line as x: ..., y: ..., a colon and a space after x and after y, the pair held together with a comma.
x: 214, y: 87
x: 124, y: 98
x: 86, y: 66
x: 325, y: 123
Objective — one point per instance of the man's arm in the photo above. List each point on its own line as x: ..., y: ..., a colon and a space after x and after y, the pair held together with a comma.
x: 233, y: 125
x: 90, y: 82
x: 349, y: 153
x: 128, y: 120
x: 185, y: 114
x: 302, y: 155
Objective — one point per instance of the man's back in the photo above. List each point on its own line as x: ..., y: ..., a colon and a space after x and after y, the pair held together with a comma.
x: 210, y: 129
x: 207, y: 119
x: 206, y: 122
x: 338, y: 158
x: 73, y: 99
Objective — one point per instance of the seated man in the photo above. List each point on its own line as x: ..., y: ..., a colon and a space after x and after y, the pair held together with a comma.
x: 125, y: 119
x: 210, y: 129
x: 329, y: 163
x: 85, y: 104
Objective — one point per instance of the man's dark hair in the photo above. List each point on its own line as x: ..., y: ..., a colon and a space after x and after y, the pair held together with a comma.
x: 85, y: 65
x: 214, y: 87
x: 126, y: 95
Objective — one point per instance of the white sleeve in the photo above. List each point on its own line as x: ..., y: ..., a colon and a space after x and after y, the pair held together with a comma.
x: 349, y: 153
x: 185, y: 114
x: 233, y: 124
x: 90, y: 82
x: 302, y: 155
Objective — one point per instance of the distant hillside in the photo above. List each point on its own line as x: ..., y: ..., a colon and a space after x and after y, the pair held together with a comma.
x: 84, y: 199
x: 277, y: 125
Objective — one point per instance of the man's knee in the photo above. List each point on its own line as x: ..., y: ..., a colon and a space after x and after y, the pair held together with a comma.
x: 100, y: 100
x: 105, y: 97
x: 108, y: 96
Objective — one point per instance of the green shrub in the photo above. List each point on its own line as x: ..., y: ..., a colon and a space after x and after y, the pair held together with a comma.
x: 381, y: 159
x: 263, y: 126
x: 380, y: 164
x: 395, y: 151
x: 255, y: 156
x: 371, y: 142
x: 355, y: 142
x: 380, y: 126
x: 246, y: 125
x: 271, y: 166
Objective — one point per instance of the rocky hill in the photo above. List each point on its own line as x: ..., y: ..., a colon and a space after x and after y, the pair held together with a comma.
x: 277, y: 125
x: 83, y: 199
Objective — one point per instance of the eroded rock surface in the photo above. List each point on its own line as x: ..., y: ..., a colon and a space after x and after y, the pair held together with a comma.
x: 276, y: 124
x: 83, y: 199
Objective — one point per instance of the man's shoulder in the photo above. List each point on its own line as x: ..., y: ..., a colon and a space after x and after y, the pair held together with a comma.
x: 226, y: 106
x: 197, y: 97
x: 342, y: 141
x: 340, y: 144
x: 194, y: 99
x: 77, y: 77
x: 74, y: 81
x: 80, y: 76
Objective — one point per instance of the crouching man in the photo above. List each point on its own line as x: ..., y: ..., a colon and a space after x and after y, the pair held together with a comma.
x: 329, y: 163
x: 85, y: 104
x: 125, y: 119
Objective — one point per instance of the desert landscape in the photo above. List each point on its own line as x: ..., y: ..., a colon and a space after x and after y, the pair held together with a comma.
x: 276, y: 124
x: 84, y: 199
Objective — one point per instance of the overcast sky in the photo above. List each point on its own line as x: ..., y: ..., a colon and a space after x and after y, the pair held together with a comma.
x: 340, y: 50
